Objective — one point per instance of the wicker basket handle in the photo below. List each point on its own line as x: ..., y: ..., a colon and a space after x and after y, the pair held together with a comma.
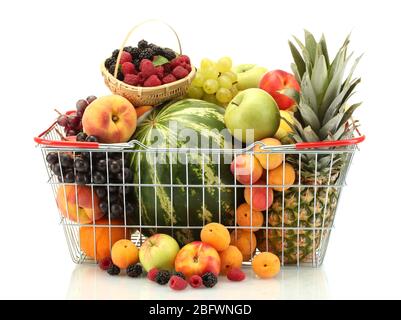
x: 134, y: 29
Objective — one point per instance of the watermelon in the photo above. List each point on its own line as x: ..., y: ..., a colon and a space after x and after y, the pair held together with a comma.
x: 183, y: 209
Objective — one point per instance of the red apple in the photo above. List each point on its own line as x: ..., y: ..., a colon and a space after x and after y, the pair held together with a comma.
x: 197, y: 258
x: 275, y: 81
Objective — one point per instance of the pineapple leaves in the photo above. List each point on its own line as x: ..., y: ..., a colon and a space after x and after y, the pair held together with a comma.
x: 310, y: 44
x: 310, y: 135
x: 330, y: 127
x: 325, y: 52
x: 319, y: 78
x: 299, y: 62
x: 295, y: 71
x: 309, y: 116
x: 291, y: 93
x: 308, y: 93
x: 348, y: 113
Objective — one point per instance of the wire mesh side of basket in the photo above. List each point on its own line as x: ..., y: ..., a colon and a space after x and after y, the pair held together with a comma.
x: 296, y: 226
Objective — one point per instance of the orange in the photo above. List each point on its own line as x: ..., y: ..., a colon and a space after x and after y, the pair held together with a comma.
x: 216, y: 235
x: 245, y: 241
x: 230, y: 258
x: 124, y: 253
x: 266, y: 265
x: 244, y: 217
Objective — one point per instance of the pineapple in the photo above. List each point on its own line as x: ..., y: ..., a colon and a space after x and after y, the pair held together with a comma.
x: 321, y: 114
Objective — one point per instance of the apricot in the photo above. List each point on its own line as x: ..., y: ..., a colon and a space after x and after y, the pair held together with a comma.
x: 124, y: 253
x: 140, y: 111
x: 230, y: 258
x: 276, y: 176
x: 245, y: 241
x: 245, y: 167
x: 245, y: 216
x: 268, y: 160
x: 266, y: 265
x: 99, y: 247
x: 262, y: 197
x: 216, y: 235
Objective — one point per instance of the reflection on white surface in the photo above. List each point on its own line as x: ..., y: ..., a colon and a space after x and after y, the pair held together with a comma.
x: 89, y: 282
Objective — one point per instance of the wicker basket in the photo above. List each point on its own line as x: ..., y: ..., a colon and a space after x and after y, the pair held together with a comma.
x: 140, y: 96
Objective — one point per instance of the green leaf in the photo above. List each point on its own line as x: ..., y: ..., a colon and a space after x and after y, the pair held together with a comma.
x: 319, y: 78
x: 310, y: 44
x: 330, y: 126
x: 348, y: 113
x: 308, y: 93
x: 295, y: 71
x: 350, y: 89
x: 310, y: 135
x: 299, y: 62
x: 335, y: 106
x: 160, y: 60
x: 325, y: 52
x: 309, y: 115
x: 291, y: 93
x: 305, y: 52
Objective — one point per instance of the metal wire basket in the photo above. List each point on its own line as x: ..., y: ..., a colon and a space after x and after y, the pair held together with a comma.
x: 296, y: 226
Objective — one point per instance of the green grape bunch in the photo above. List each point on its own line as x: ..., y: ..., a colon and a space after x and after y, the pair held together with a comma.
x: 214, y: 82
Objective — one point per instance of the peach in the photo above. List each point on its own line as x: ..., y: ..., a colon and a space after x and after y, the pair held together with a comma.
x: 267, y: 160
x: 124, y: 253
x: 276, y: 176
x: 230, y: 258
x: 197, y: 258
x: 97, y: 240
x: 245, y: 216
x: 262, y: 197
x: 245, y: 241
x: 216, y: 235
x: 112, y: 119
x: 274, y: 82
x: 75, y: 203
x: 266, y: 265
x: 245, y: 166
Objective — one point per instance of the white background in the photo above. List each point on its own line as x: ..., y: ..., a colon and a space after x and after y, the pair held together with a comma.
x: 50, y: 56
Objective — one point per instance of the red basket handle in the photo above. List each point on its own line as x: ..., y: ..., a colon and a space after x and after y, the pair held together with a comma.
x: 69, y: 144
x: 327, y: 144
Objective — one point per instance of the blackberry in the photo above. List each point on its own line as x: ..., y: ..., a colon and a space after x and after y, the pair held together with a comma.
x: 178, y: 274
x: 115, y: 53
x: 128, y: 49
x: 209, y: 279
x: 134, y: 270
x: 112, y: 68
x: 143, y: 44
x: 113, y: 270
x: 109, y: 62
x: 136, y: 62
x: 120, y: 75
x: 146, y: 54
x: 168, y: 54
x: 134, y: 53
x: 163, y: 277
x: 156, y: 49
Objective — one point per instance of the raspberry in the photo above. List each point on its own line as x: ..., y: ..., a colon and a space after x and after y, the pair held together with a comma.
x: 195, y: 281
x: 160, y: 72
x: 131, y: 79
x: 175, y: 63
x: 180, y: 72
x: 188, y: 67
x: 105, y: 263
x: 152, y: 274
x: 128, y: 68
x: 177, y: 283
x: 185, y: 59
x: 167, y: 68
x: 125, y: 57
x: 147, y: 68
x: 152, y: 81
x: 235, y: 274
x: 169, y: 78
x: 141, y: 78
x: 209, y: 279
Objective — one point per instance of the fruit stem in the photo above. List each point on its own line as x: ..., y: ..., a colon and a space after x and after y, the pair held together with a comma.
x: 59, y: 113
x: 60, y: 134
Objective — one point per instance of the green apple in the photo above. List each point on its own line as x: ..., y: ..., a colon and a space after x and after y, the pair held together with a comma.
x: 249, y: 75
x: 252, y: 115
x: 159, y: 252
